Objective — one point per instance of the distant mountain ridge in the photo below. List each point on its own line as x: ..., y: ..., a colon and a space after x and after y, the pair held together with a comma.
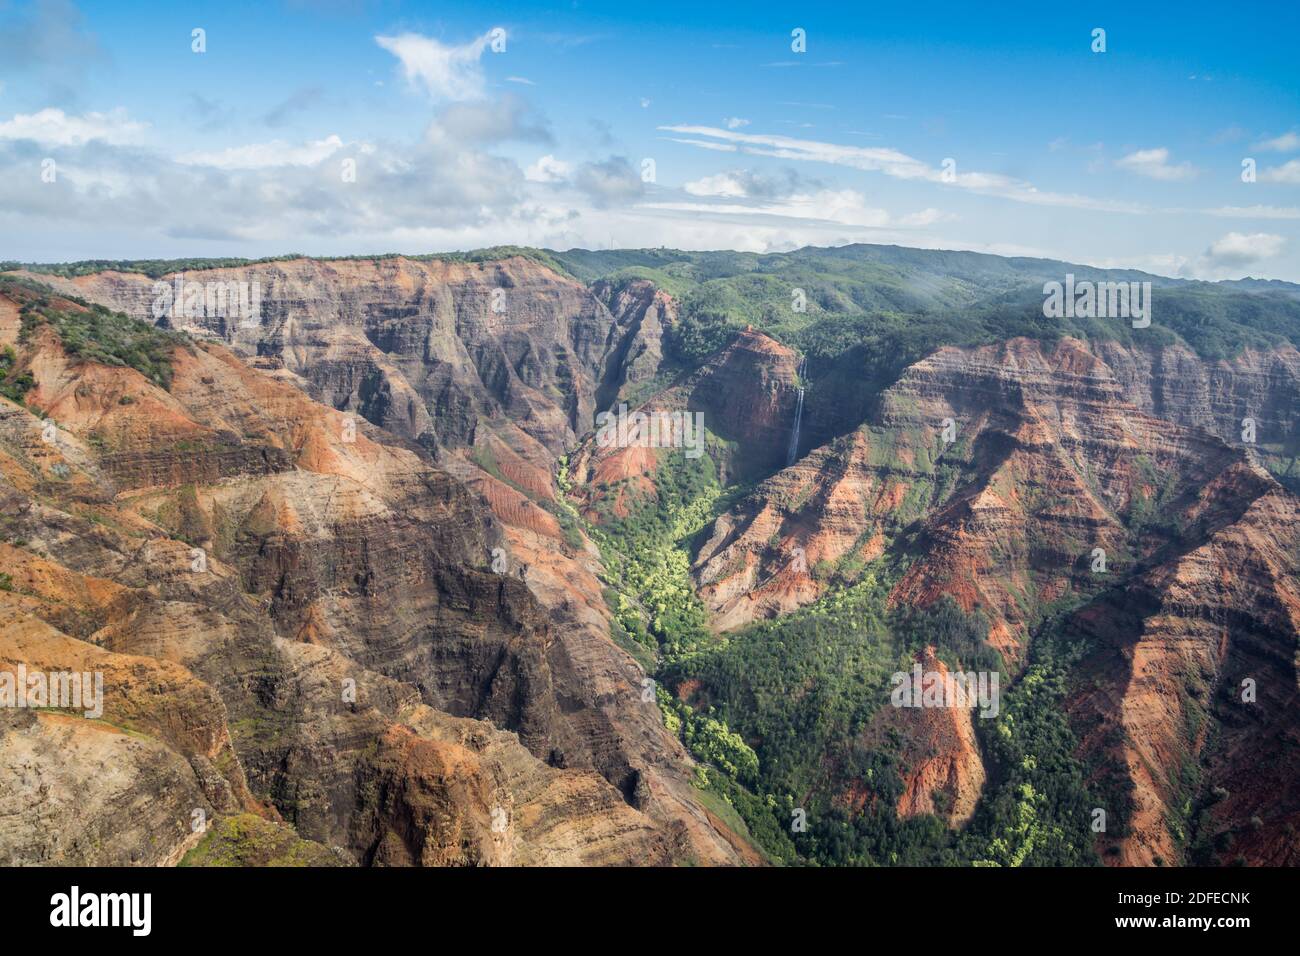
x: 588, y: 265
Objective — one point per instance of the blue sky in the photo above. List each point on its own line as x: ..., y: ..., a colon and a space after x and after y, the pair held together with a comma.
x: 347, y: 127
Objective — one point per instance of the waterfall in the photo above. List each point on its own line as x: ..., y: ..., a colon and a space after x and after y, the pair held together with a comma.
x: 798, y: 414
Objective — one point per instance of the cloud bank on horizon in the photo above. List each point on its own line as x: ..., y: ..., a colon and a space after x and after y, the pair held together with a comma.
x: 1111, y: 138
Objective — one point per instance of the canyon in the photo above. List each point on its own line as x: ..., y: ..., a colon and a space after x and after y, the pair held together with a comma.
x: 402, y: 645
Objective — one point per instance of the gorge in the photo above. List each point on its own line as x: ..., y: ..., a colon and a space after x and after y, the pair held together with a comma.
x: 677, y: 652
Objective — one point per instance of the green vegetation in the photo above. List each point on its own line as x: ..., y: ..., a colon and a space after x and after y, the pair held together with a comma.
x: 91, y: 333
x: 780, y: 714
x: 960, y: 640
x: 249, y: 840
x: 758, y: 818
x: 157, y: 268
x: 889, y: 305
x: 709, y: 740
x: 865, y: 299
x: 646, y: 554
x: 803, y: 690
x: 1037, y: 810
x: 800, y: 687
x: 154, y: 268
x: 788, y: 718
x: 14, y: 385
x: 656, y: 611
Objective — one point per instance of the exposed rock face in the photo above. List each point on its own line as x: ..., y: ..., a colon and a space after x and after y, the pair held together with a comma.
x: 1175, y: 384
x: 304, y: 625
x: 419, y: 348
x: 493, y: 721
x: 1051, y: 461
x: 944, y: 771
x: 425, y: 349
x: 1046, y: 462
x: 1193, y: 681
x: 745, y: 395
x: 616, y: 733
x: 636, y: 361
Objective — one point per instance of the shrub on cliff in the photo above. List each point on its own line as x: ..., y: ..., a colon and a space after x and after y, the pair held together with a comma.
x: 93, y: 333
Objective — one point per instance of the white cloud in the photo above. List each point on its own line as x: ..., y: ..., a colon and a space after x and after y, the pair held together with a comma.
x: 735, y: 122
x: 609, y: 182
x: 645, y: 103
x: 745, y: 183
x: 891, y: 162
x: 845, y: 207
x: 723, y: 184
x: 488, y: 121
x: 548, y: 169
x: 259, y: 198
x: 1239, y: 249
x: 1286, y: 143
x: 1255, y: 212
x: 702, y: 144
x: 523, y: 80
x: 445, y: 72
x: 1286, y: 173
x: 265, y: 155
x: 1158, y: 263
x: 53, y: 127
x: 700, y: 228
x: 1154, y: 164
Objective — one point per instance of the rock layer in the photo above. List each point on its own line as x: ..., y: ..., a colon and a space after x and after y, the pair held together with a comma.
x: 323, y: 600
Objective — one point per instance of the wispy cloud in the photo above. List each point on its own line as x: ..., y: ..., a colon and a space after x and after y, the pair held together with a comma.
x: 265, y: 155
x: 53, y: 127
x: 705, y: 144
x: 1286, y: 143
x: 1255, y: 212
x: 444, y: 71
x: 745, y: 183
x: 845, y: 207
x: 891, y: 162
x: 1286, y: 173
x: 1154, y: 164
